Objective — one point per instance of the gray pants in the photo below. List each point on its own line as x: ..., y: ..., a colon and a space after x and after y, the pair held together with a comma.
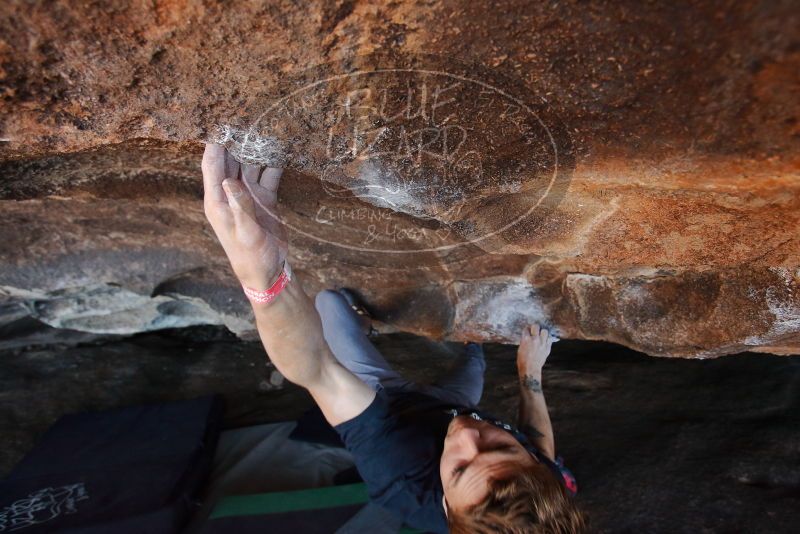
x: 342, y: 330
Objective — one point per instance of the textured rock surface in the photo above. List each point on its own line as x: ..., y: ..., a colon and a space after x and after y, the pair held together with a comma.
x: 676, y: 231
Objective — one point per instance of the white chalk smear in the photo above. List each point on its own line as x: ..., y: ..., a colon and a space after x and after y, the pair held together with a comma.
x: 248, y: 146
x: 784, y: 306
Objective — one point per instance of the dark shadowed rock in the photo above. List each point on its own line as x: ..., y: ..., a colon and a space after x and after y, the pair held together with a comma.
x: 657, y: 445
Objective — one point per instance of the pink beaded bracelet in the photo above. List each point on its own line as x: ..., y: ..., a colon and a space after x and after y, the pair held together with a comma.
x: 262, y: 297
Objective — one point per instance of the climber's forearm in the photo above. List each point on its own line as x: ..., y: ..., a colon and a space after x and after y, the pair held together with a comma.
x: 534, y: 420
x: 291, y: 331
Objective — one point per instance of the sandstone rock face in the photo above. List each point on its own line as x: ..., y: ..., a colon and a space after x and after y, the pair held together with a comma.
x: 616, y: 171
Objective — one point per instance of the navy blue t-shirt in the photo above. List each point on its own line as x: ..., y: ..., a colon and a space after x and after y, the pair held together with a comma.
x: 397, y: 443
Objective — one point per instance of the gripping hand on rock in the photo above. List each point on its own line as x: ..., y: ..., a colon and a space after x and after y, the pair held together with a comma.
x: 240, y: 202
x: 534, y: 348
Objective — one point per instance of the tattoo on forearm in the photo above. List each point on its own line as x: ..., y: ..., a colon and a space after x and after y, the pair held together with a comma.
x: 531, y: 432
x: 528, y: 382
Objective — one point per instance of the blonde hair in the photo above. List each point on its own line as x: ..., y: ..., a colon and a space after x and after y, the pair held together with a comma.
x: 532, y: 501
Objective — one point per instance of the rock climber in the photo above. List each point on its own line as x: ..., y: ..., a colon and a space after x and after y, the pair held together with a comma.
x: 426, y: 453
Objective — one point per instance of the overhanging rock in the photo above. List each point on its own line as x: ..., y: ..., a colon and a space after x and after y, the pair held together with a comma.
x: 671, y: 223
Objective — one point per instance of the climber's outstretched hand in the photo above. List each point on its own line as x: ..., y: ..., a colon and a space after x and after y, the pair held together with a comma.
x: 240, y: 202
x: 534, y: 348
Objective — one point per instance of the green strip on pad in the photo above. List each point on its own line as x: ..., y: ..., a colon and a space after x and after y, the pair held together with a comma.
x: 291, y: 501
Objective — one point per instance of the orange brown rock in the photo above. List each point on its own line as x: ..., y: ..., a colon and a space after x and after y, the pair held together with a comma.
x: 678, y: 233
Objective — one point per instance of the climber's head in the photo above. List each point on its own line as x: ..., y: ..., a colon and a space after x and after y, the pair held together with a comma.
x: 492, y: 483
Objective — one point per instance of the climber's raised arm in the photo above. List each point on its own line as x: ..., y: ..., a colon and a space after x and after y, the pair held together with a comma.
x: 534, y: 420
x: 240, y: 202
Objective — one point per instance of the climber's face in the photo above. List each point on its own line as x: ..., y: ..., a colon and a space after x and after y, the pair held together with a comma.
x: 476, y: 453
